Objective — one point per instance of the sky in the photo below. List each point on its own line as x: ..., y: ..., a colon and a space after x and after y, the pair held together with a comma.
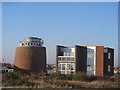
x: 60, y: 0
x: 0, y: 31
x: 63, y: 23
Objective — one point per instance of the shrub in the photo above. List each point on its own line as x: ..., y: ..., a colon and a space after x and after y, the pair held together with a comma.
x: 92, y: 77
x: 81, y: 76
x: 115, y: 78
x: 16, y: 82
x: 69, y: 77
x: 53, y: 75
x: 10, y: 75
x: 58, y: 76
x: 15, y: 78
x: 77, y: 86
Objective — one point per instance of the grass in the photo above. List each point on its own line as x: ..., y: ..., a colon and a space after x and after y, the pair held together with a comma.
x: 41, y: 80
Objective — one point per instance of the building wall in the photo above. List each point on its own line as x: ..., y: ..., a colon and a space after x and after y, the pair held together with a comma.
x: 109, y: 62
x: 58, y: 53
x: 85, y: 56
x: 30, y: 59
x: 81, y: 58
x: 65, y: 60
x: 99, y: 60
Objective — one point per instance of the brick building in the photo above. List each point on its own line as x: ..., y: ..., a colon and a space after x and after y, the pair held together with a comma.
x: 30, y: 55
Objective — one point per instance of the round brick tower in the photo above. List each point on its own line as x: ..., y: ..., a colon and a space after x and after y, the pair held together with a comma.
x: 30, y: 55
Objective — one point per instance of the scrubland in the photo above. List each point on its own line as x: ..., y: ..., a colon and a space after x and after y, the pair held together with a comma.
x: 55, y: 80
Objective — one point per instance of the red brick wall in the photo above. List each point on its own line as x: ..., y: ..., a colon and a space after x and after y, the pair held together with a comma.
x: 30, y: 58
x: 99, y: 60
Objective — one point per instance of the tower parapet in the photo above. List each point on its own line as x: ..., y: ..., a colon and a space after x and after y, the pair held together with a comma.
x: 32, y: 41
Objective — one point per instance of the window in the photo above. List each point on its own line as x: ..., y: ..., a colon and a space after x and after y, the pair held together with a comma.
x: 59, y: 58
x: 65, y: 53
x: 72, y: 66
x: 90, y: 55
x: 65, y: 58
x: 31, y: 43
x: 72, y: 54
x: 59, y: 66
x: 63, y: 66
x: 109, y: 68
x: 105, y: 50
x: 90, y: 68
x: 68, y: 53
x: 109, y: 54
x: 28, y: 44
x: 22, y: 44
x: 68, y: 66
x: 72, y: 59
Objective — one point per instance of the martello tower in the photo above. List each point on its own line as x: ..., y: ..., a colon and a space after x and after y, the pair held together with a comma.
x: 30, y: 55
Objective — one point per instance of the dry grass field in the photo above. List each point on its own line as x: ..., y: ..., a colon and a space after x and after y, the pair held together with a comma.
x: 26, y: 80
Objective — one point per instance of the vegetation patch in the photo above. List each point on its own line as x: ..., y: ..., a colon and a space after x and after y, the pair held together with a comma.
x: 56, y: 80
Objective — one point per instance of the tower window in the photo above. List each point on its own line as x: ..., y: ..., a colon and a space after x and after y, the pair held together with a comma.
x: 109, y: 54
x: 109, y: 68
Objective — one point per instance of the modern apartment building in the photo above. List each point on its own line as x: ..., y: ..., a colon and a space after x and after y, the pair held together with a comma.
x: 30, y: 55
x: 71, y: 59
x: 95, y: 60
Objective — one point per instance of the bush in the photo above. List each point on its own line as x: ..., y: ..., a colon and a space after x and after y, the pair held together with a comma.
x: 92, y: 78
x: 58, y: 76
x: 16, y: 82
x: 37, y: 76
x: 115, y: 78
x: 15, y: 78
x: 10, y: 75
x: 81, y: 76
x: 53, y: 75
x: 69, y: 77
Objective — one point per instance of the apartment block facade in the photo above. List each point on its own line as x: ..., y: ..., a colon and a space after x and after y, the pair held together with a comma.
x: 93, y: 60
